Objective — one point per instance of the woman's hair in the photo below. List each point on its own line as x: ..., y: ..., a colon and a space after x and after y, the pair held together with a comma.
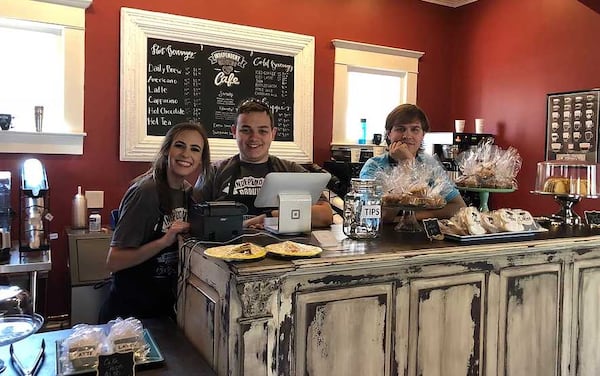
x: 406, y: 114
x: 159, y: 167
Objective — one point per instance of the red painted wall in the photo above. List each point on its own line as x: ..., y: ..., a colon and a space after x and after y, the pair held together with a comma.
x: 511, y: 53
x: 409, y: 24
x: 491, y: 59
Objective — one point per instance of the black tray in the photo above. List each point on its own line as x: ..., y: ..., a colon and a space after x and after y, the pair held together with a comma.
x: 494, y: 236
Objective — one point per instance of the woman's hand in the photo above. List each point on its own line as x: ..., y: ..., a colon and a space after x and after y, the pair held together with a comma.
x: 400, y: 151
x: 176, y: 228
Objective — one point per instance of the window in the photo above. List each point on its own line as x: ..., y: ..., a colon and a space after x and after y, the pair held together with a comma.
x: 369, y: 81
x: 50, y: 40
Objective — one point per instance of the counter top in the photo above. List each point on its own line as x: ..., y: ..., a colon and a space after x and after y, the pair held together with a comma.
x: 399, y: 246
x: 180, y: 356
x: 26, y: 262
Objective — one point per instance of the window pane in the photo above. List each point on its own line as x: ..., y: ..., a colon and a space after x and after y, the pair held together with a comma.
x: 372, y: 94
x: 31, y: 74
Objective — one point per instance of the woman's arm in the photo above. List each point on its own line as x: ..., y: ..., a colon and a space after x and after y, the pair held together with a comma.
x: 122, y: 258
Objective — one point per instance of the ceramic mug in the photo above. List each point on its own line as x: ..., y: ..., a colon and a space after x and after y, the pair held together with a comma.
x: 5, y: 120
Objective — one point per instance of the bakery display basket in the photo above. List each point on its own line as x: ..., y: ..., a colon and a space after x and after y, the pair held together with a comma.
x: 568, y: 181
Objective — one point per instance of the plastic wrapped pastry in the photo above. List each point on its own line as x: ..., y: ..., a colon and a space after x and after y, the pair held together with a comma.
x: 420, y: 184
x: 488, y: 166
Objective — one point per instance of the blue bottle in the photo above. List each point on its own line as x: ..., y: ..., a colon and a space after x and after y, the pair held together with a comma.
x: 363, y: 129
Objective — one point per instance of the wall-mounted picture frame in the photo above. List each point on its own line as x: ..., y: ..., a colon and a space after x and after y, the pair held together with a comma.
x: 139, y: 28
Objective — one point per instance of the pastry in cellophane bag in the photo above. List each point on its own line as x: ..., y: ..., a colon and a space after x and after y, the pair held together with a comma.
x: 488, y: 166
x: 415, y: 183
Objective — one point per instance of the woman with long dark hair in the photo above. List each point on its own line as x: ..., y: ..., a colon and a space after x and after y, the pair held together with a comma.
x: 143, y: 255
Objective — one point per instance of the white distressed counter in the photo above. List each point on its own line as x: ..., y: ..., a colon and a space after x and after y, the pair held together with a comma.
x: 401, y: 305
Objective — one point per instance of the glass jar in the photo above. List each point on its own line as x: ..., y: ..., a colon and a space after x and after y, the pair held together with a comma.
x: 362, y: 210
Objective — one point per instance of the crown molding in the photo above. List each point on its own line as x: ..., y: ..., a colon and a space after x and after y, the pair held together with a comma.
x: 451, y: 3
x: 84, y: 4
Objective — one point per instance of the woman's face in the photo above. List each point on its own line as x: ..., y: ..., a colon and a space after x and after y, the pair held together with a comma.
x: 185, y: 157
x: 410, y: 134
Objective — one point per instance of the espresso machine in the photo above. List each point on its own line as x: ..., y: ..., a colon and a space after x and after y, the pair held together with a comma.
x: 34, y: 212
x: 446, y: 146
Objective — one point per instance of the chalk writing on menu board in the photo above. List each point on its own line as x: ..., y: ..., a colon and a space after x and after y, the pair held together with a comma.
x: 189, y: 81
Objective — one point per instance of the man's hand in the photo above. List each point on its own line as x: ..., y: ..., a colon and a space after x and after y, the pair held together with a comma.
x: 399, y: 151
x: 255, y: 222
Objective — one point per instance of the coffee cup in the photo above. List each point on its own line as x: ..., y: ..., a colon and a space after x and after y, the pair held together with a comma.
x: 377, y: 137
x: 354, y: 155
x: 5, y: 120
x: 479, y: 126
x: 459, y: 126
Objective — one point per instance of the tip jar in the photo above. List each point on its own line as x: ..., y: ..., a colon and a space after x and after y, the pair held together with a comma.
x: 362, y: 209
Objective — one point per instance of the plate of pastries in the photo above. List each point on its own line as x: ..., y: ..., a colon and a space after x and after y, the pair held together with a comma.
x: 471, y: 224
x: 237, y: 252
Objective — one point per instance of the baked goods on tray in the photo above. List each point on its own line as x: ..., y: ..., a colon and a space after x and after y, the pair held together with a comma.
x: 237, y: 252
x: 469, y: 221
x: 293, y: 249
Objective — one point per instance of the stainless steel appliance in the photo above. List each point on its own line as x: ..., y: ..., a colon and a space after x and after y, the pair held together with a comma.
x: 34, y: 213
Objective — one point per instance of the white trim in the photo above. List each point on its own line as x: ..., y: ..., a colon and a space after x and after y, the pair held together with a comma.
x: 451, y: 3
x: 69, y: 16
x: 350, y: 55
x: 138, y: 25
x: 42, y: 143
x: 70, y: 3
x: 357, y: 46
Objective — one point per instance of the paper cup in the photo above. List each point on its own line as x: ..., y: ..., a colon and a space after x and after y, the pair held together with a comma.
x: 459, y: 126
x: 354, y: 155
x: 479, y: 126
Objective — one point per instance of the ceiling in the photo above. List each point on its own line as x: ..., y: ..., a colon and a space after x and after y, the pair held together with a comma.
x: 451, y: 3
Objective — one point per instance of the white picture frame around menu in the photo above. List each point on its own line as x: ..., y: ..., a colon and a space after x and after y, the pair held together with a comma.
x: 139, y: 25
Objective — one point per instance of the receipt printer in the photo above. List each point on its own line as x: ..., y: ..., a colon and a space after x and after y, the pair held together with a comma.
x: 217, y: 221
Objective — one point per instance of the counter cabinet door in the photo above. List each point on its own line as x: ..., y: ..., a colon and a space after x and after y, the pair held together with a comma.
x: 446, y: 325
x: 585, y: 351
x: 529, y: 319
x: 344, y: 331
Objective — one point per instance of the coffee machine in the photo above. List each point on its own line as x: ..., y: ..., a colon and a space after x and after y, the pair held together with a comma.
x: 34, y: 210
x: 446, y: 146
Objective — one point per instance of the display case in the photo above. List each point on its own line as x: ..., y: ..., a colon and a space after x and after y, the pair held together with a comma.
x: 568, y: 181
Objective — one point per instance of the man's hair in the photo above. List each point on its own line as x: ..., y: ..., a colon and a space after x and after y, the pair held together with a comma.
x: 254, y: 105
x: 406, y: 114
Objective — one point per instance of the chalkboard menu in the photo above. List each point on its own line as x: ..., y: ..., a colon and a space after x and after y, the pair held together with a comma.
x: 199, y: 82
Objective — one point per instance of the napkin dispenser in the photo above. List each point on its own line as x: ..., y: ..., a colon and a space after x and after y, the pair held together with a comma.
x: 217, y: 221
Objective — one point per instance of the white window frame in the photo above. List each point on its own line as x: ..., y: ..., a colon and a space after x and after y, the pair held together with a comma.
x: 69, y: 14
x: 139, y: 25
x: 350, y: 55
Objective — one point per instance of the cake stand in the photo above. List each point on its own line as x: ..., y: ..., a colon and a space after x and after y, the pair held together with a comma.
x: 15, y: 327
x: 566, y: 214
x: 408, y: 220
x: 484, y: 195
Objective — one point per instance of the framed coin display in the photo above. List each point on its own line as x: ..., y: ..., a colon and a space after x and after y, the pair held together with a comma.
x: 572, y: 125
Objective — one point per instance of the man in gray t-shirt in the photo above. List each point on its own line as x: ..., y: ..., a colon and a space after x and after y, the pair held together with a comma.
x: 240, y: 177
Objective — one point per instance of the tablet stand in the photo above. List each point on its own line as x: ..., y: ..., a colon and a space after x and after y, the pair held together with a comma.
x: 294, y: 213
